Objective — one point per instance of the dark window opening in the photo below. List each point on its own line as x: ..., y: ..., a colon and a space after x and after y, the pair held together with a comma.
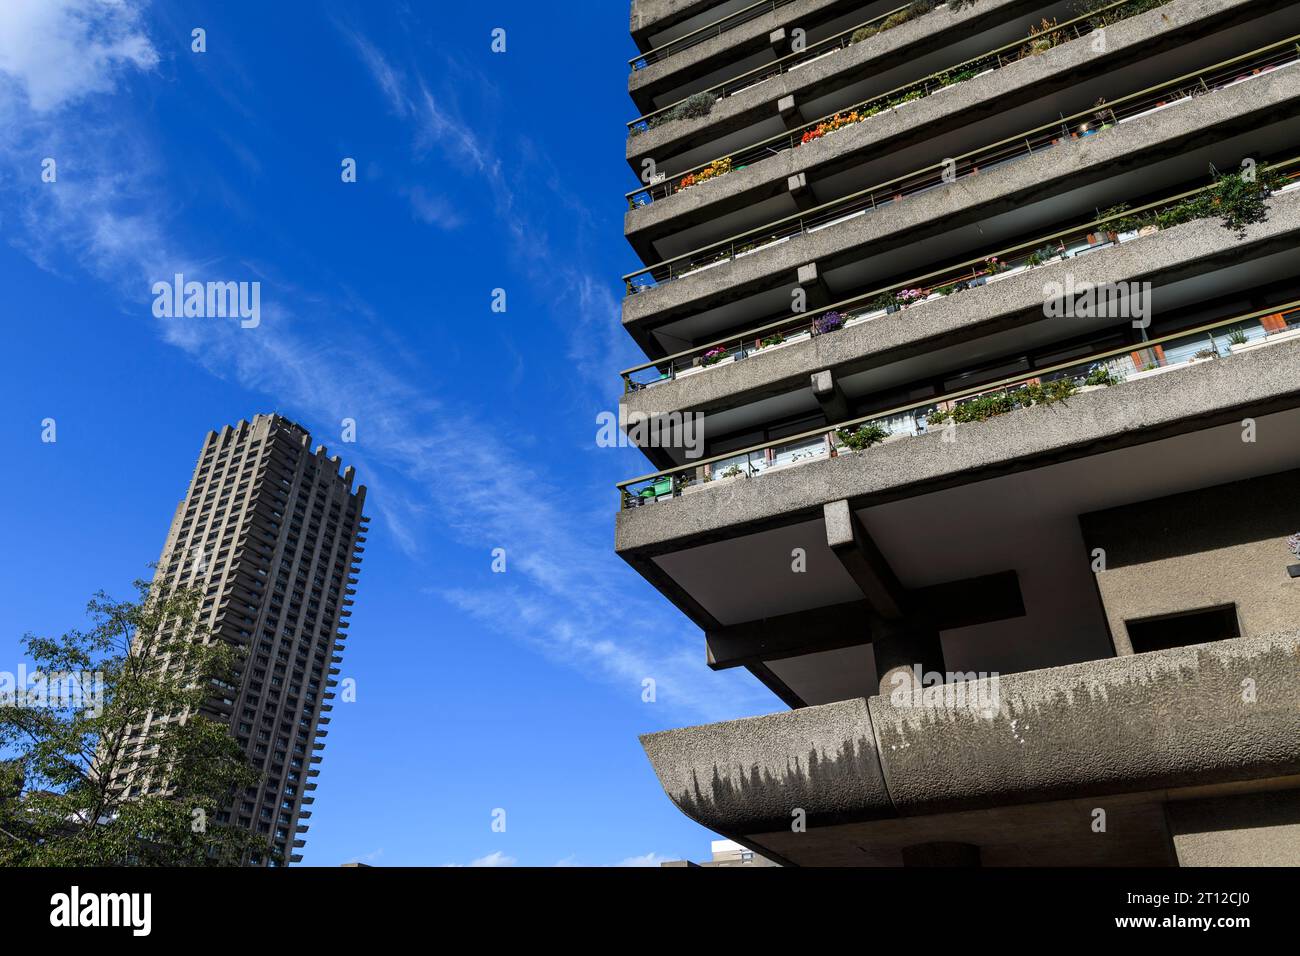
x: 1187, y: 627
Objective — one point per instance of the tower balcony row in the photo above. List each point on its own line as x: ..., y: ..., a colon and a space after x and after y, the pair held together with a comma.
x: 983, y: 318
x: 843, y: 152
x: 750, y: 123
x: 971, y: 506
x: 762, y: 41
x: 1015, y: 192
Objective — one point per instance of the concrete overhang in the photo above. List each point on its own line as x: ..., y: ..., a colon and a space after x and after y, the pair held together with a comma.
x: 986, y: 320
x: 952, y: 36
x: 744, y: 47
x: 656, y: 22
x: 1160, y: 151
x: 1183, y: 400
x: 1016, y: 764
x: 1139, y: 52
x: 1004, y: 494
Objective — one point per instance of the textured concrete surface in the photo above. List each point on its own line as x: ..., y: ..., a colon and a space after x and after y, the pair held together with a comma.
x: 652, y: 14
x: 728, y: 776
x: 1201, y: 549
x: 761, y: 100
x: 1051, y: 68
x: 1186, y: 398
x: 970, y: 99
x: 1166, y: 720
x: 1259, y: 829
x: 1041, y: 175
x: 755, y: 30
x: 975, y: 312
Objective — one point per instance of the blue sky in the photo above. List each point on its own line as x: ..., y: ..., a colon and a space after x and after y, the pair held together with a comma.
x: 475, y: 430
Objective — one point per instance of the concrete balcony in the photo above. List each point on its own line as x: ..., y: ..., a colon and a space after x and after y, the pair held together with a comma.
x: 657, y: 22
x: 836, y: 251
x: 751, y: 106
x: 1188, y: 266
x: 982, y: 518
x: 776, y: 177
x: 1166, y: 743
x: 748, y: 39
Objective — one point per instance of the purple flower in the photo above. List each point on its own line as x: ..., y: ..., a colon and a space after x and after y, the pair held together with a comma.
x: 827, y: 323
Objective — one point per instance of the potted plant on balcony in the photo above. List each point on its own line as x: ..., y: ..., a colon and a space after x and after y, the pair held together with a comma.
x: 771, y: 341
x: 883, y: 304
x: 713, y: 356
x: 862, y: 437
x: 1204, y: 355
x: 1099, y: 376
x: 1041, y: 257
x: 997, y: 269
x: 828, y: 322
x: 1293, y: 545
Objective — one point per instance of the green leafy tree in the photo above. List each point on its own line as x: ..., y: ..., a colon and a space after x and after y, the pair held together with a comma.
x: 69, y: 795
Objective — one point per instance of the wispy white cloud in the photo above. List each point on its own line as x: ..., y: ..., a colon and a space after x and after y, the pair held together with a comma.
x: 494, y: 859
x: 432, y: 210
x: 565, y: 593
x: 54, y: 52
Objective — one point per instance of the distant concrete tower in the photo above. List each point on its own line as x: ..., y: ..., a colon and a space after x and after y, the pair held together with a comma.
x: 272, y: 533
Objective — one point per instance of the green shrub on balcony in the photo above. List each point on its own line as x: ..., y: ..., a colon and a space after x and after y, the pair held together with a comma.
x: 1101, y: 375
x: 1107, y: 17
x: 989, y: 406
x: 700, y: 104
x: 864, y: 436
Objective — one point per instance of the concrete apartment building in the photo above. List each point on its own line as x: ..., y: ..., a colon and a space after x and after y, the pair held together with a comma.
x: 725, y: 853
x: 272, y: 531
x: 1000, y: 417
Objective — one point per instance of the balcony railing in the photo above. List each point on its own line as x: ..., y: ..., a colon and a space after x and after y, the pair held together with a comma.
x: 926, y: 86
x: 1001, y: 264
x: 706, y: 32
x: 1214, y: 341
x: 787, y: 63
x: 1094, y: 120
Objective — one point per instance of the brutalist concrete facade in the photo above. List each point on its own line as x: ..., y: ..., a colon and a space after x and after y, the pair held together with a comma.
x: 1024, y: 570
x: 272, y: 533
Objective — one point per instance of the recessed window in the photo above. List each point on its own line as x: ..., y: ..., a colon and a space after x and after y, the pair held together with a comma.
x: 1187, y: 627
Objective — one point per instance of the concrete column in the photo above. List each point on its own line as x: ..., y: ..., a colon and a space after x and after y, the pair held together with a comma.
x: 899, y: 648
x: 810, y: 280
x: 829, y: 396
x: 799, y: 191
x: 791, y: 115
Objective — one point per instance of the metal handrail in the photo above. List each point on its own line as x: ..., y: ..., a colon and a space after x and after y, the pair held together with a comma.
x: 972, y: 268
x: 924, y: 87
x: 1018, y: 381
x: 706, y: 32
x: 777, y: 67
x: 922, y: 180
